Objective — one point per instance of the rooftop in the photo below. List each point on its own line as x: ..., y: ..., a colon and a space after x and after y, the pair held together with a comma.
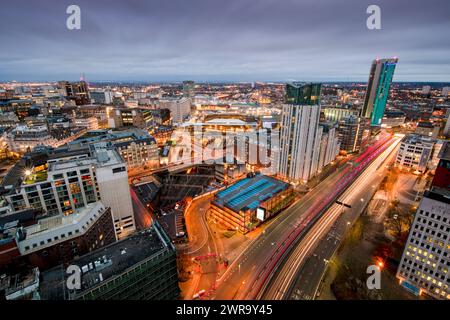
x: 417, y: 139
x: 249, y: 192
x: 438, y: 194
x: 107, y: 262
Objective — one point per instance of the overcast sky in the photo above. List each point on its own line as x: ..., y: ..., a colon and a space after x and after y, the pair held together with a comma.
x: 239, y: 40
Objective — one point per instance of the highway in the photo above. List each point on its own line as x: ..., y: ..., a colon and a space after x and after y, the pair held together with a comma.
x: 357, y: 195
x: 246, y: 276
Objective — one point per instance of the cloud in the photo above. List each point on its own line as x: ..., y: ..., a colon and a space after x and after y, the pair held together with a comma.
x: 223, y: 40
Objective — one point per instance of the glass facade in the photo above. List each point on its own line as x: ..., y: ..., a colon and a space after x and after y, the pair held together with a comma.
x: 384, y: 84
x: 303, y: 93
x: 377, y: 93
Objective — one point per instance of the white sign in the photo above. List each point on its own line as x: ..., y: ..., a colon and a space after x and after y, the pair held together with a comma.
x: 260, y: 214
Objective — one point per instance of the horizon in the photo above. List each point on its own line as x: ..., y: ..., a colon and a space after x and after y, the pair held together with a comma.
x: 239, y: 41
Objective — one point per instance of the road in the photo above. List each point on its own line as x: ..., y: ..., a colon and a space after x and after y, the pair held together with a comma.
x: 305, y: 265
x: 202, y: 245
x: 249, y: 271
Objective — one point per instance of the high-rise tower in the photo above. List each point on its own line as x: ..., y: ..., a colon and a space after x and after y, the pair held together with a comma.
x: 300, y: 132
x: 380, y: 79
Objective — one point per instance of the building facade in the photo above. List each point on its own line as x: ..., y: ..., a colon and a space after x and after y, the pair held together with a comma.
x: 73, y: 179
x: 377, y: 93
x: 59, y: 239
x: 350, y: 134
x: 300, y: 134
x: 425, y: 263
x: 414, y: 153
x: 141, y: 267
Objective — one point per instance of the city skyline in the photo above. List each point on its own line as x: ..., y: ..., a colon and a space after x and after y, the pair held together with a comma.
x: 248, y: 41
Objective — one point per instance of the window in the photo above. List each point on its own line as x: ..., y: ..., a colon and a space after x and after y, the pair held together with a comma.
x: 117, y: 170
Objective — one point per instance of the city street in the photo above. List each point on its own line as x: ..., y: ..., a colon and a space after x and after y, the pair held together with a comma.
x: 302, y: 271
x: 242, y: 274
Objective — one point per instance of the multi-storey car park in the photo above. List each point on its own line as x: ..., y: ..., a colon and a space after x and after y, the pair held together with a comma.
x: 245, y: 204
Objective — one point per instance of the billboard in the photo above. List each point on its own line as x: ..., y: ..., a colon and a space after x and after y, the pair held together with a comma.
x: 260, y: 214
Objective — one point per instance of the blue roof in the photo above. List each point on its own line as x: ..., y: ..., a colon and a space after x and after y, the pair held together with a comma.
x: 249, y: 192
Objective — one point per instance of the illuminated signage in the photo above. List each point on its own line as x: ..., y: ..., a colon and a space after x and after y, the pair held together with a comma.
x: 260, y: 214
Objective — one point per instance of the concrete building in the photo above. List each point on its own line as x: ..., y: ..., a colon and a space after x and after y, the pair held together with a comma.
x: 141, y: 267
x: 414, y: 152
x: 24, y: 138
x: 180, y: 109
x: 101, y: 96
x: 135, y: 146
x: 393, y: 118
x: 20, y: 286
x: 71, y: 180
x: 427, y: 129
x: 88, y: 123
x: 350, y: 133
x: 425, y: 263
x: 75, y: 91
x: 59, y: 239
x: 300, y: 134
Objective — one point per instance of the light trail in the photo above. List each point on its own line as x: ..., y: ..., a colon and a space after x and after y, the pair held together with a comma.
x: 282, y: 282
x: 317, y: 209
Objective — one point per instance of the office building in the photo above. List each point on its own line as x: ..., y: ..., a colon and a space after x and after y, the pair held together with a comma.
x: 427, y: 129
x: 59, y: 239
x: 350, y: 133
x: 300, y: 134
x: 377, y: 92
x: 88, y: 123
x: 180, y: 109
x: 140, y: 267
x: 20, y: 286
x: 76, y: 91
x: 137, y: 148
x: 101, y: 96
x: 414, y: 152
x: 425, y: 263
x: 70, y: 180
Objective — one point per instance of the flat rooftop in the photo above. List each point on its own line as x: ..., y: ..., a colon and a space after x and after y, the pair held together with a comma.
x: 249, y: 192
x: 107, y: 262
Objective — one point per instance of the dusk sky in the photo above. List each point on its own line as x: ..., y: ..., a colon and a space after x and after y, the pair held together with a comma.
x: 212, y: 40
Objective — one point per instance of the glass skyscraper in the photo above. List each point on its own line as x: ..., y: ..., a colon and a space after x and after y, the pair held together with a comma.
x: 380, y: 79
